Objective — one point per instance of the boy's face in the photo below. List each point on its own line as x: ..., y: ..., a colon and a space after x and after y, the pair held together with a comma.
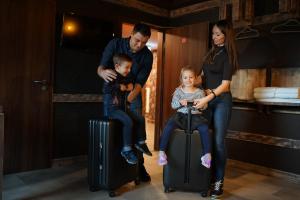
x: 123, y: 68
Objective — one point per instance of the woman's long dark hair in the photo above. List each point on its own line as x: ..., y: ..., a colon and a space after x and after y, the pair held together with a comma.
x: 227, y: 29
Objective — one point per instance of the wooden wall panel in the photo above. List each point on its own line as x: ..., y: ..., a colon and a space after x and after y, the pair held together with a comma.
x: 182, y: 46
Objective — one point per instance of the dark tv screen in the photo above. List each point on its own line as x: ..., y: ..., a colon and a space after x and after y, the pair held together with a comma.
x: 84, y: 33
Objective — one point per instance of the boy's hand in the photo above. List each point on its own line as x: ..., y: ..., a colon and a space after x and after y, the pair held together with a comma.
x: 123, y: 87
x: 129, y: 87
x: 183, y: 102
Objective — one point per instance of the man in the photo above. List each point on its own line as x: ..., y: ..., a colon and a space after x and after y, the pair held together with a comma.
x: 135, y: 47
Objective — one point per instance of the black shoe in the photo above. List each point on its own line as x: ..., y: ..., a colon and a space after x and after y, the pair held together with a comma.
x: 143, y: 148
x: 217, y: 190
x: 130, y: 157
x: 143, y: 175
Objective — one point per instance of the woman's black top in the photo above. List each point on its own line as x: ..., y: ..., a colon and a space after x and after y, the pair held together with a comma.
x: 220, y: 69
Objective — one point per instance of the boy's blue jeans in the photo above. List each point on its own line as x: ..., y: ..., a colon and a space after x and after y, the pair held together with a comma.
x: 221, y: 113
x: 172, y: 125
x: 131, y: 118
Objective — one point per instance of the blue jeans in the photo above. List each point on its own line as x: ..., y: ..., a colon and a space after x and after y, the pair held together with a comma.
x: 172, y: 125
x: 131, y: 118
x: 221, y: 113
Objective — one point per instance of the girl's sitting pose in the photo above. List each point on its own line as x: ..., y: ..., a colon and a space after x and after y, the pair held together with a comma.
x: 185, y: 93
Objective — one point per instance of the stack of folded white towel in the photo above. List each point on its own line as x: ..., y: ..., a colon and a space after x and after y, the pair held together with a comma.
x: 277, y: 94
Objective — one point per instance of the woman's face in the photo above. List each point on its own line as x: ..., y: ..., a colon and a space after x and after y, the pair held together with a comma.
x: 217, y: 36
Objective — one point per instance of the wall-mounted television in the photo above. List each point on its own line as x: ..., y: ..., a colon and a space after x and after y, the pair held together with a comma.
x: 85, y: 33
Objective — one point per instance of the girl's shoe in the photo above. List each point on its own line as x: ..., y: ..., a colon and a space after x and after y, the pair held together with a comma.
x: 206, y: 160
x: 217, y: 190
x: 162, y: 158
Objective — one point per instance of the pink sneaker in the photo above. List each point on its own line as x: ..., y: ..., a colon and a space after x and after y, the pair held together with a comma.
x: 162, y: 158
x: 206, y: 160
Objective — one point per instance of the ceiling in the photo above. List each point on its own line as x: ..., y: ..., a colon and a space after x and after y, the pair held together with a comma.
x: 171, y: 4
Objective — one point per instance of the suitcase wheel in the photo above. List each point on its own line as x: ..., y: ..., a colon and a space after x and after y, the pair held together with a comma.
x: 93, y: 189
x: 137, y: 181
x: 111, y: 193
x: 204, y: 194
x: 168, y: 190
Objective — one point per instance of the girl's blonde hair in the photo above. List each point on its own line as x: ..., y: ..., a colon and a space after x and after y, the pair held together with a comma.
x: 186, y: 68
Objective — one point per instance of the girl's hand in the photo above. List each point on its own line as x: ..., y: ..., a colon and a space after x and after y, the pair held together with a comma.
x: 183, y: 102
x: 200, y: 103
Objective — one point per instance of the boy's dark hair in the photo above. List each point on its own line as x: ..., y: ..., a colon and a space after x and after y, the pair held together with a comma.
x: 121, y: 57
x: 143, y: 29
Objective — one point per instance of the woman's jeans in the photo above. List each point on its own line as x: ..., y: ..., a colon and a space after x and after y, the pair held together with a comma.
x: 221, y: 113
x: 130, y: 119
x: 172, y: 125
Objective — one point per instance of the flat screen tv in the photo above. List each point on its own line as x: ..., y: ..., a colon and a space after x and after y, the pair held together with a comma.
x: 85, y: 33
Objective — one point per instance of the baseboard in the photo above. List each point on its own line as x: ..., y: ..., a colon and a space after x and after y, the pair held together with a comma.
x: 264, y: 170
x: 58, y: 162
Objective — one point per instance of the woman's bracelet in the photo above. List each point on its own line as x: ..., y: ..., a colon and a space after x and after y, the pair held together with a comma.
x: 212, y: 92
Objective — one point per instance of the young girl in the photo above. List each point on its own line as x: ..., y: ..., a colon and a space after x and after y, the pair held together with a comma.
x: 185, y: 93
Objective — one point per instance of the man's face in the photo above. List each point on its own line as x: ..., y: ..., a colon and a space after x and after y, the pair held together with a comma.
x: 137, y: 42
x: 123, y: 68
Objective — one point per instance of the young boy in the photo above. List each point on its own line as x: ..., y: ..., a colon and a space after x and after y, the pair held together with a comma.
x: 115, y: 93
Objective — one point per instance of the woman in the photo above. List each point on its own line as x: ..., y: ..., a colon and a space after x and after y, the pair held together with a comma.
x: 219, y: 65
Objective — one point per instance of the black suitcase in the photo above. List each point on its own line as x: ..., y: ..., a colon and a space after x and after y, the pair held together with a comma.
x: 184, y: 170
x: 107, y: 169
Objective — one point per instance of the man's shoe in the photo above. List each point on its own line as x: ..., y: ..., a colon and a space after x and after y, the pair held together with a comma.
x: 143, y: 175
x: 143, y: 148
x: 217, y: 190
x: 130, y: 157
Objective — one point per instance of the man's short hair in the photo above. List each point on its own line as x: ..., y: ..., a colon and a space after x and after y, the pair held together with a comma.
x: 121, y: 57
x: 143, y: 29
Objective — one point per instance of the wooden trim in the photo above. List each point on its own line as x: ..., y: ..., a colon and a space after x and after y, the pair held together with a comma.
x: 144, y: 7
x: 198, y: 7
x: 264, y: 139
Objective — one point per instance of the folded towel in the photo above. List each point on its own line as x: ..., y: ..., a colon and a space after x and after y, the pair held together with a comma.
x: 287, y: 95
x: 265, y: 89
x: 264, y: 95
x: 293, y: 90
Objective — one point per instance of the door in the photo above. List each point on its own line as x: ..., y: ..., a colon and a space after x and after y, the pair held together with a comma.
x: 182, y: 46
x: 25, y: 82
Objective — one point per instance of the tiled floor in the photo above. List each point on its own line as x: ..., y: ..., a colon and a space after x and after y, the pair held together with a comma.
x: 70, y: 183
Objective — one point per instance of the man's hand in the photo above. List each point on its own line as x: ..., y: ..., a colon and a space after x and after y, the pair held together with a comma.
x: 106, y: 74
x: 200, y: 103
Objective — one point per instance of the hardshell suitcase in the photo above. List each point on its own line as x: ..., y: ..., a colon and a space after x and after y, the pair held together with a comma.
x: 107, y: 169
x: 184, y: 170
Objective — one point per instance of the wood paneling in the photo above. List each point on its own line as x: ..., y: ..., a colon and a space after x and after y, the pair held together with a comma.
x: 26, y: 59
x: 182, y: 46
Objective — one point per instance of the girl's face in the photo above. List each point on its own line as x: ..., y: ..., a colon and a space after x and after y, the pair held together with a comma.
x: 188, y: 78
x: 217, y: 36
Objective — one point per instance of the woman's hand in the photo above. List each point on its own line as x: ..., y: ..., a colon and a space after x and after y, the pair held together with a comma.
x: 200, y: 103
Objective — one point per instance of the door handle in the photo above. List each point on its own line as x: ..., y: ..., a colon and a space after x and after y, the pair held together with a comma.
x: 42, y: 83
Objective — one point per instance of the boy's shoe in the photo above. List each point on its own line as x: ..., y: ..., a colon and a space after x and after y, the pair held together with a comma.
x: 206, y: 160
x: 217, y: 190
x: 130, y: 157
x: 162, y: 158
x: 143, y: 148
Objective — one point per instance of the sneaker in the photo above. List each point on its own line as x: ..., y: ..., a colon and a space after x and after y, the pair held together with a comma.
x: 143, y: 175
x: 206, y: 160
x: 162, y: 158
x: 143, y: 148
x: 217, y: 190
x: 130, y: 157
